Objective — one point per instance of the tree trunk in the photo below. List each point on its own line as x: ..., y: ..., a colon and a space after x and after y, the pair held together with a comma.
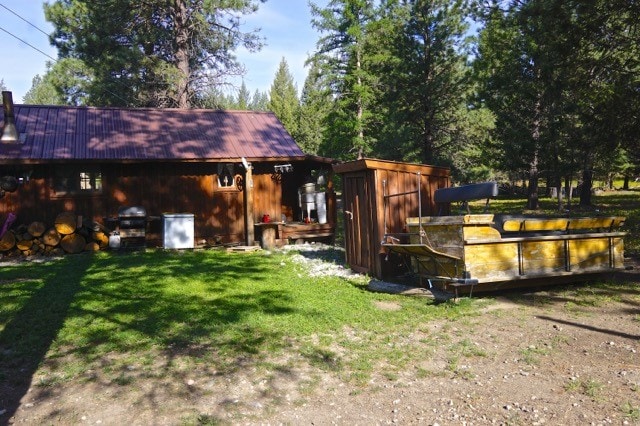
x: 567, y: 190
x: 360, y: 112
x: 532, y: 191
x: 585, y: 189
x: 182, y: 53
x: 559, y: 197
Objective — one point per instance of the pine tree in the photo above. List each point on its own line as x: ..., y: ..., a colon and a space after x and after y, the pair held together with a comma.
x: 159, y: 53
x: 341, y: 57
x: 283, y: 98
x: 64, y: 83
x: 259, y: 101
x: 421, y: 52
x: 315, y: 104
x: 560, y: 78
x: 243, y: 99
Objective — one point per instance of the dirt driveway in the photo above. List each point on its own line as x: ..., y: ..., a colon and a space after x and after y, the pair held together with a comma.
x: 569, y: 357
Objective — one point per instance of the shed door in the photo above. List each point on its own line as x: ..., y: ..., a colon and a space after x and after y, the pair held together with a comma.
x: 357, y: 223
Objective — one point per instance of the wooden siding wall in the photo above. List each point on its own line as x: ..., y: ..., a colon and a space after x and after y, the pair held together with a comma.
x: 359, y: 220
x: 159, y: 188
x: 365, y: 184
x: 401, y: 207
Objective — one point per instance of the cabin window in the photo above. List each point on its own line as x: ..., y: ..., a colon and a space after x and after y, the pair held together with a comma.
x: 74, y: 180
x: 226, y: 179
x: 90, y: 181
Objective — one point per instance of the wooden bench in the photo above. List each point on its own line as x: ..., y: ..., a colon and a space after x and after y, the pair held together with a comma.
x: 306, y: 231
x: 584, y: 223
x: 561, y: 224
x: 535, y: 225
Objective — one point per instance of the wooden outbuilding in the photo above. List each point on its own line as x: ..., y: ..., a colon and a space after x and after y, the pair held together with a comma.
x: 378, y: 197
x: 396, y: 221
x: 231, y: 169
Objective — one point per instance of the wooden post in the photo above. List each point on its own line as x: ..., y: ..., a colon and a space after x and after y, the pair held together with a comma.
x: 248, y: 207
x: 331, y: 200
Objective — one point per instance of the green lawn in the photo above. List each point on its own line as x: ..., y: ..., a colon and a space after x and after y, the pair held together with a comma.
x: 103, y: 311
x: 108, y: 312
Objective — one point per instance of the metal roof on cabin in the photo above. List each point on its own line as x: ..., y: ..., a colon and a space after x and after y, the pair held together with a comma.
x: 89, y: 133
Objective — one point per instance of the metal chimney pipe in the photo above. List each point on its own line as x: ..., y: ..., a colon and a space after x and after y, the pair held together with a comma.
x: 9, y: 130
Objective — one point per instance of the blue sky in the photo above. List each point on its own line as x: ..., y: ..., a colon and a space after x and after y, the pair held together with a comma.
x: 284, y: 23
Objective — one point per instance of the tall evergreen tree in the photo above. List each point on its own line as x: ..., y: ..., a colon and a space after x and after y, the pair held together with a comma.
x: 554, y: 74
x: 421, y: 52
x: 158, y: 53
x: 606, y: 79
x: 42, y: 92
x: 259, y: 101
x: 340, y: 55
x: 244, y: 98
x: 315, y: 104
x: 64, y: 83
x: 283, y: 97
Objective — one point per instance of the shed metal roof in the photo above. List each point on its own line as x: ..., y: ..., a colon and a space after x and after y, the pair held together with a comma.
x: 52, y: 133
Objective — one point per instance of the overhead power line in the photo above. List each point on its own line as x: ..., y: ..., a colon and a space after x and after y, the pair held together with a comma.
x: 28, y: 44
x: 42, y: 52
x: 39, y: 50
x: 25, y: 20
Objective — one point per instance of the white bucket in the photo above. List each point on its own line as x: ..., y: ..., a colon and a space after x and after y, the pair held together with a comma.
x: 114, y: 241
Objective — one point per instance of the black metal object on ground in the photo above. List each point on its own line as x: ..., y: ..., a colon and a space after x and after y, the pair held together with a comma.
x: 132, y: 226
x: 466, y: 193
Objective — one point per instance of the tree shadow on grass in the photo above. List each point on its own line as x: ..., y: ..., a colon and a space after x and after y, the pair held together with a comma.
x: 97, y: 309
x: 43, y: 294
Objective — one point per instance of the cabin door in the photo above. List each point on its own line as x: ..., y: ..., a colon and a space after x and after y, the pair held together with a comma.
x: 357, y: 222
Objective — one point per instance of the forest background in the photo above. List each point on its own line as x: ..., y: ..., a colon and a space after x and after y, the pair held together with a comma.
x: 516, y: 91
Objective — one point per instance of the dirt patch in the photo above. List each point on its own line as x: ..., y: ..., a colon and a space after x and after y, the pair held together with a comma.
x: 388, y: 306
x: 545, y: 357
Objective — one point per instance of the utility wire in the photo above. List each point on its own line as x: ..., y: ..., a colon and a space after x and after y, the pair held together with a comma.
x: 33, y: 25
x: 28, y: 44
x: 44, y: 53
x: 40, y: 51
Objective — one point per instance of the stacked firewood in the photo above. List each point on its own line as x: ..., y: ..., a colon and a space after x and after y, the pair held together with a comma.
x: 69, y: 234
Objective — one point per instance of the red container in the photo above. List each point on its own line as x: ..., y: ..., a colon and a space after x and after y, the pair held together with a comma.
x: 266, y: 218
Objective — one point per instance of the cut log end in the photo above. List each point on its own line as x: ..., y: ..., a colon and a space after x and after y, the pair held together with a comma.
x: 66, y: 223
x: 73, y: 243
x: 36, y: 229
x: 8, y: 241
x: 52, y: 237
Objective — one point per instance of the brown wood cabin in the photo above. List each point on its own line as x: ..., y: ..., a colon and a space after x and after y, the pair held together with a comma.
x: 378, y: 196
x: 94, y: 161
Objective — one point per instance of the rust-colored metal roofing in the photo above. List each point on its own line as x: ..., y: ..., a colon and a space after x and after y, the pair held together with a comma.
x: 50, y: 133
